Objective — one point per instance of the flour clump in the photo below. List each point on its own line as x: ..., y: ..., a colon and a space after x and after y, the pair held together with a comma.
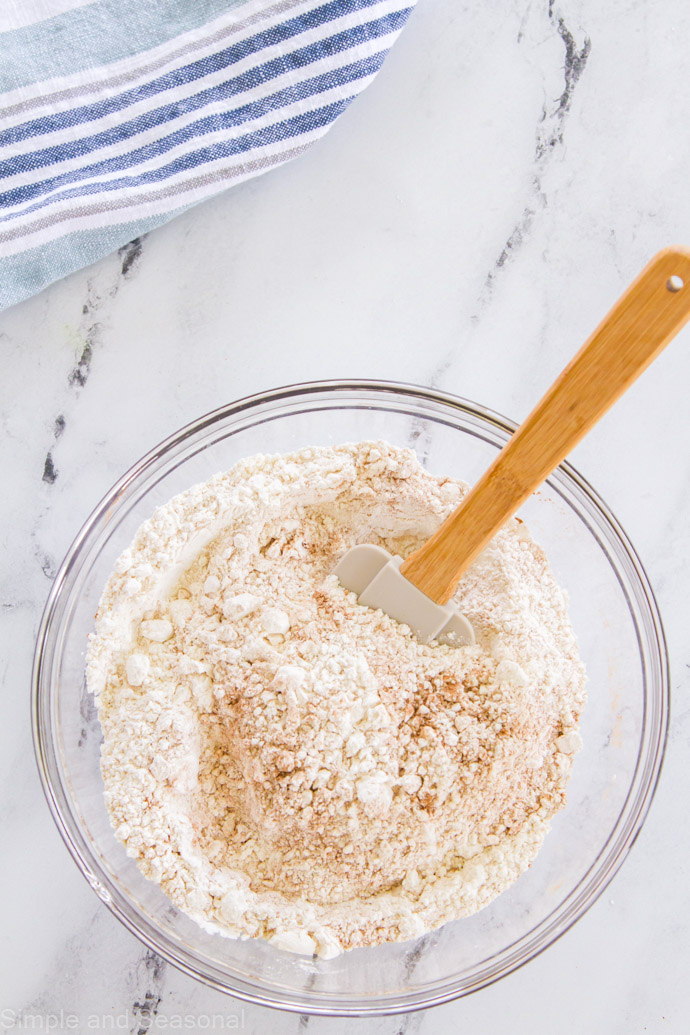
x: 290, y: 765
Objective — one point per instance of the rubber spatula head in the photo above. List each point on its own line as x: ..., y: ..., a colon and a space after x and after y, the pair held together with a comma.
x: 374, y: 575
x: 631, y: 335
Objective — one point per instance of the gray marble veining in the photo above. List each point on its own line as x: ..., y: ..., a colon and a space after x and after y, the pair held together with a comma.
x: 465, y: 225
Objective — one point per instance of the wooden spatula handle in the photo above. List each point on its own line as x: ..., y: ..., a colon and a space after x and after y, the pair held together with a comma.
x: 642, y: 322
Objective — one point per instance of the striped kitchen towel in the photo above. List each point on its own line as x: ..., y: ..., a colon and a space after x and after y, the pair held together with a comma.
x: 116, y: 115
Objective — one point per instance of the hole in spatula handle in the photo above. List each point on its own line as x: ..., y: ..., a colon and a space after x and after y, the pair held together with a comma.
x: 675, y: 283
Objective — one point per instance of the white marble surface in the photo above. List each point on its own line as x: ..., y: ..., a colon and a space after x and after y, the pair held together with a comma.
x: 465, y: 225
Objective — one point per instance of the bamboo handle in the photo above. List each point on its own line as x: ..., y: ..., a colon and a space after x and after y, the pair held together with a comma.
x: 631, y: 335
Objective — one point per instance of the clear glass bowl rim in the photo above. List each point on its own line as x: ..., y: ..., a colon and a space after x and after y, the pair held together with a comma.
x: 580, y: 496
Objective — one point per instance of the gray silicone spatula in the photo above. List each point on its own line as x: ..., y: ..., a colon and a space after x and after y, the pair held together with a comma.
x: 416, y: 591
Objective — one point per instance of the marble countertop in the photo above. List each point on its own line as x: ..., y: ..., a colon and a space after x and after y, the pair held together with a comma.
x: 465, y: 225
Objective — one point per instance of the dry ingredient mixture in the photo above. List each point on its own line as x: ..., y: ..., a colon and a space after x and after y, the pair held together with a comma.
x: 290, y: 765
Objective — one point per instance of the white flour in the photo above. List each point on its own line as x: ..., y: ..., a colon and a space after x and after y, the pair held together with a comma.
x: 290, y: 765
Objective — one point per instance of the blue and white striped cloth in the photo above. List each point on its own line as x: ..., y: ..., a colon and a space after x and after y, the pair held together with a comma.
x: 116, y: 115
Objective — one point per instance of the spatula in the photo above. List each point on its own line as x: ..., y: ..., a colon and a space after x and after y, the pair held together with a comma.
x: 416, y: 591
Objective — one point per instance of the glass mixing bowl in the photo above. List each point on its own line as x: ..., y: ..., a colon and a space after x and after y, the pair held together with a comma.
x: 624, y: 724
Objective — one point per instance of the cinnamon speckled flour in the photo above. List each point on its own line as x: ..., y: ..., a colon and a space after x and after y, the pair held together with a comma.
x: 290, y: 765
